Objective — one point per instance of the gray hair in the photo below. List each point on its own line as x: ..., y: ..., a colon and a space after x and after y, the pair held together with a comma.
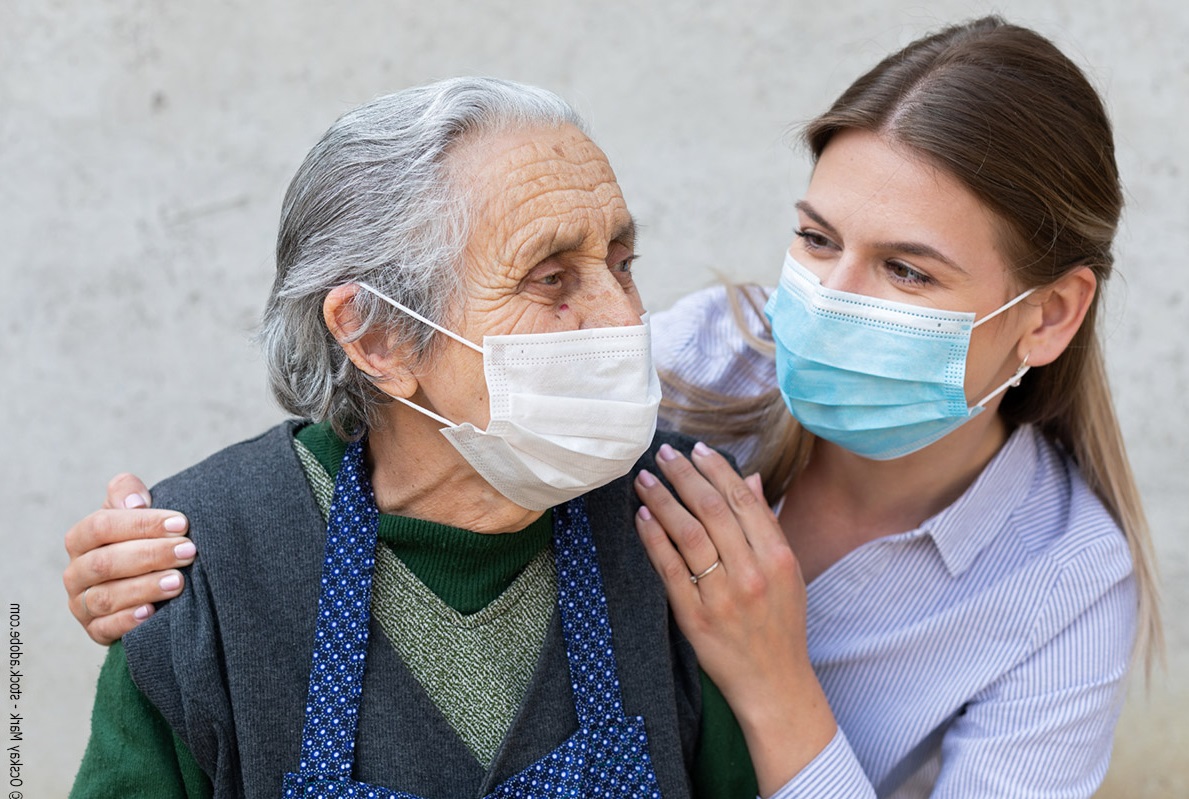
x: 374, y: 201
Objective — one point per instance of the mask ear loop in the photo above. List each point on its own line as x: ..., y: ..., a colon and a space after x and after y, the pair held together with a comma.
x: 1014, y: 380
x: 1011, y: 382
x: 998, y: 310
x: 439, y: 419
x: 419, y: 317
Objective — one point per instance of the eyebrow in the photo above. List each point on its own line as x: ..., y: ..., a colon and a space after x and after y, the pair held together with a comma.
x: 907, y: 247
x: 624, y: 233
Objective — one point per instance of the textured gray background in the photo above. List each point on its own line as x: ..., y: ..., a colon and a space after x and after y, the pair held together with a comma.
x: 145, y: 146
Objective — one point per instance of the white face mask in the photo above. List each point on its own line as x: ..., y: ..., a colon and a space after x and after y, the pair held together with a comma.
x: 570, y: 411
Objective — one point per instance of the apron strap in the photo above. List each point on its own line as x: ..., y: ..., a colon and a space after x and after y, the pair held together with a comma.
x: 344, y: 609
x: 594, y: 674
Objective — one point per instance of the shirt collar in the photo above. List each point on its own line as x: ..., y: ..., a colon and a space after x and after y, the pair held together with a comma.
x: 966, y: 527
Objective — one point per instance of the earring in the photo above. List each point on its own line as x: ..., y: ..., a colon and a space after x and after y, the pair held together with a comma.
x: 1019, y: 375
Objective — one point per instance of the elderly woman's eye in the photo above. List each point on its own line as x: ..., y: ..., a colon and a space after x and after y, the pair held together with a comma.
x: 625, y: 265
x: 551, y: 279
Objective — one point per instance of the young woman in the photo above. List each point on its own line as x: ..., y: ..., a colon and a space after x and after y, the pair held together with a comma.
x: 971, y: 558
x: 942, y: 593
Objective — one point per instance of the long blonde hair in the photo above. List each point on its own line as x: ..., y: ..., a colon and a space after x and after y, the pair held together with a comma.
x: 1001, y: 109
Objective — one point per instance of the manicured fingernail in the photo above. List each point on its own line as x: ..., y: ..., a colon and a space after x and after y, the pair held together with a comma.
x: 666, y: 453
x: 185, y: 551
x: 644, y: 514
x: 170, y: 582
x: 143, y: 612
x: 647, y: 479
x: 175, y: 524
x: 701, y: 449
x: 134, y: 501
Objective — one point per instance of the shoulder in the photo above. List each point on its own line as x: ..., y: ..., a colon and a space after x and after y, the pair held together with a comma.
x: 1085, y: 552
x: 612, y: 509
x: 254, y: 520
x: 616, y: 503
x: 704, y: 339
x: 252, y: 486
x: 678, y: 441
x: 1030, y: 550
x: 245, y: 468
x: 250, y: 506
x: 260, y: 536
x: 1063, y: 518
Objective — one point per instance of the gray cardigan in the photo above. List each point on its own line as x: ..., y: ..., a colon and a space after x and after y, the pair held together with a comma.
x: 227, y: 662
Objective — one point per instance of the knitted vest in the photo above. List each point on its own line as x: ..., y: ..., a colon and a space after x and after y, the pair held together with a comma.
x: 227, y: 662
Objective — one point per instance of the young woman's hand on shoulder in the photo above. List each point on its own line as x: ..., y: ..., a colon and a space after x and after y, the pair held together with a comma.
x: 123, y: 558
x: 736, y: 591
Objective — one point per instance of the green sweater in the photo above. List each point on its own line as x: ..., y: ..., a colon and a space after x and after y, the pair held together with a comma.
x: 132, y: 746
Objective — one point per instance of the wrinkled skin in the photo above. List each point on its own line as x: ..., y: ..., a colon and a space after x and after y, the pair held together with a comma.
x: 552, y: 250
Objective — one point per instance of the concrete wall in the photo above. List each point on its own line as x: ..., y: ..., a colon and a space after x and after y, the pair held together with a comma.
x: 145, y: 146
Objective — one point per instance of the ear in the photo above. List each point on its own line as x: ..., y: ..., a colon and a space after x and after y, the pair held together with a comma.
x: 1063, y: 306
x: 372, y: 352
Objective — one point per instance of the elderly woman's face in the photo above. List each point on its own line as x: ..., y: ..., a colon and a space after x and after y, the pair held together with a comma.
x: 553, y: 241
x: 551, y: 250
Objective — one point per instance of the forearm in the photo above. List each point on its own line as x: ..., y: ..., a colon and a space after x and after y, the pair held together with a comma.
x: 785, y: 733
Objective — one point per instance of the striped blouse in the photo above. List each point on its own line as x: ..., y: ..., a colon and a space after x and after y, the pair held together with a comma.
x: 981, y: 654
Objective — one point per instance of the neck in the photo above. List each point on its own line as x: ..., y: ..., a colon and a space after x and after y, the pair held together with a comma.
x: 906, y: 491
x: 417, y: 473
x: 854, y: 500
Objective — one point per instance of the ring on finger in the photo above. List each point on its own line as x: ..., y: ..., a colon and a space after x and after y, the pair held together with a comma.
x: 693, y: 578
x: 86, y: 609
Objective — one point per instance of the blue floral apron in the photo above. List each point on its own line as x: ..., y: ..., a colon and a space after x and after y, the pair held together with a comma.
x: 608, y: 755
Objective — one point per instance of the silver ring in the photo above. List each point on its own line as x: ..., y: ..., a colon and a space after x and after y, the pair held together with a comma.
x: 86, y: 609
x: 693, y: 578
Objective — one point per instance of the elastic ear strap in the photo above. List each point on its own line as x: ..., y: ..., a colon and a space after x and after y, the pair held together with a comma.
x: 430, y: 414
x: 419, y: 317
x: 1011, y: 382
x: 1002, y: 308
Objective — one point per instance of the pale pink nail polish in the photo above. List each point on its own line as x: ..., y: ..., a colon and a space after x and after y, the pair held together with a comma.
x: 646, y: 478
x: 702, y: 449
x: 666, y: 453
x: 185, y: 551
x: 143, y: 612
x: 134, y: 501
x: 175, y: 524
x: 170, y: 582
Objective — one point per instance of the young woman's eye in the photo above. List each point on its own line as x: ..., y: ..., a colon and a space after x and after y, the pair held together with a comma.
x: 906, y: 274
x: 812, y: 240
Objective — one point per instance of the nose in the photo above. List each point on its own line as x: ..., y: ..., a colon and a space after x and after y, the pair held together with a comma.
x: 608, y: 303
x: 845, y: 274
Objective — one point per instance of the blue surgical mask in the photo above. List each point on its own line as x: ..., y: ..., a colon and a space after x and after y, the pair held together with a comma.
x: 881, y: 379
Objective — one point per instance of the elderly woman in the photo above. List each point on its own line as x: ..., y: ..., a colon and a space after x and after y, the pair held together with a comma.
x: 440, y: 596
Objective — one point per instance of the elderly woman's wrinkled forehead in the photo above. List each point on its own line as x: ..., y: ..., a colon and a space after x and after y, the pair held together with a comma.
x: 536, y: 192
x: 488, y: 163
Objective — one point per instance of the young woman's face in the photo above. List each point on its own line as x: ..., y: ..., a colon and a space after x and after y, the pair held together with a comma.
x: 881, y: 222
